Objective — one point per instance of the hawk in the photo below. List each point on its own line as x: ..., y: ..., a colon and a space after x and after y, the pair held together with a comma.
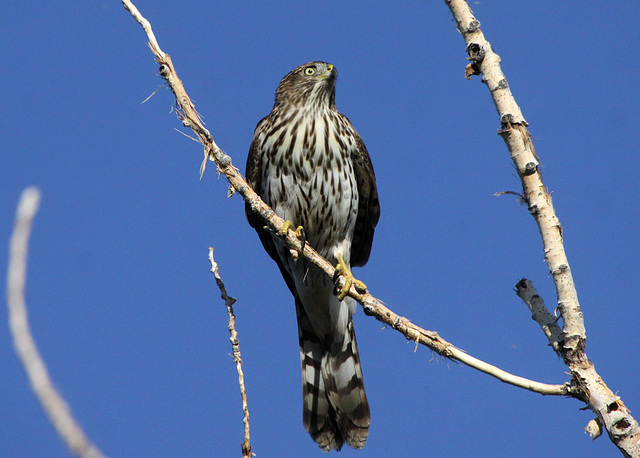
x: 308, y: 163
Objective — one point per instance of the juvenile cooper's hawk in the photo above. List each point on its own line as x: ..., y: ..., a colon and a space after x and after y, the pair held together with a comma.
x: 310, y: 165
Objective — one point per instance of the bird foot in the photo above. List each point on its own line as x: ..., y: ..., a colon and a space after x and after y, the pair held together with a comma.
x: 343, y: 270
x: 287, y: 225
x: 299, y: 234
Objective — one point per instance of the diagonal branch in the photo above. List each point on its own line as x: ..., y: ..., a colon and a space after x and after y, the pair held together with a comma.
x: 52, y: 402
x: 371, y: 305
x: 540, y: 313
x: 623, y: 429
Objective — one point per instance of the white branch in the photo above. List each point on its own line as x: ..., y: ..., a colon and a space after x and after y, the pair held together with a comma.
x: 506, y: 377
x: 623, y: 429
x: 540, y: 314
x: 55, y: 407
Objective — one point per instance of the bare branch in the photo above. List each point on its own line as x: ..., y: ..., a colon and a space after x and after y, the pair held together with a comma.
x: 54, y: 405
x: 371, y: 305
x: 539, y: 312
x: 153, y: 43
x: 237, y: 357
x: 516, y: 135
x: 622, y: 428
x: 433, y: 341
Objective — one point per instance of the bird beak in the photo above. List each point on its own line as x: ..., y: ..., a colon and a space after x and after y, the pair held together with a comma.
x: 330, y: 73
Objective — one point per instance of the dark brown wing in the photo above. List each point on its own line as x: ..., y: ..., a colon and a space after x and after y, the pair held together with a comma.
x: 253, y: 173
x: 368, y: 207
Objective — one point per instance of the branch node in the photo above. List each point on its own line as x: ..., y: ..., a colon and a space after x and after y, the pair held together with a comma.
x: 475, y: 51
x: 502, y: 84
x: 224, y: 160
x: 164, y: 71
x: 368, y: 310
x: 562, y: 268
x: 473, y: 26
x: 505, y: 121
x: 530, y: 168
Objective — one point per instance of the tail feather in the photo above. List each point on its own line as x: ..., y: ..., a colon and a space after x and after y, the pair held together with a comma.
x: 344, y: 387
x: 335, y: 407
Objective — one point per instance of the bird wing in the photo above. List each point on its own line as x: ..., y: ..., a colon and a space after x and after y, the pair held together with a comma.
x: 254, y: 178
x: 368, y: 206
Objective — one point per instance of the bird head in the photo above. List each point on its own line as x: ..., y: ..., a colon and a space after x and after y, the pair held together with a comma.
x: 311, y: 84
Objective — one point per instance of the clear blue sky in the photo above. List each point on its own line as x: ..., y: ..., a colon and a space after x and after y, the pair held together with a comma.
x: 120, y: 296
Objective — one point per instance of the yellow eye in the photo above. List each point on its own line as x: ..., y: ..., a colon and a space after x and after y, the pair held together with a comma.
x: 309, y: 71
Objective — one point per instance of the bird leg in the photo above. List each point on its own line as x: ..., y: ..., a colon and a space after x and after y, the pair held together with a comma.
x: 342, y: 269
x: 299, y: 233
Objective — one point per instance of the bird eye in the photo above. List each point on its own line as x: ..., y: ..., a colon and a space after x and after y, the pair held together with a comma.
x: 309, y: 71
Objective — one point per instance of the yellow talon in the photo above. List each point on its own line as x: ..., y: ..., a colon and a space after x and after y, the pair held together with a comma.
x: 342, y: 269
x: 287, y: 226
x: 299, y: 234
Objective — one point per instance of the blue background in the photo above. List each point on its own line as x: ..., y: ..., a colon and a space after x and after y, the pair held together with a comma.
x: 121, y: 300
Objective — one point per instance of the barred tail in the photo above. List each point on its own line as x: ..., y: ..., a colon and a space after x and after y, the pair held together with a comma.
x: 335, y: 407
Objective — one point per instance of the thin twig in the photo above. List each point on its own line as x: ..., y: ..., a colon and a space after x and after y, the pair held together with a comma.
x: 52, y: 402
x: 611, y: 412
x: 371, y: 305
x: 237, y: 357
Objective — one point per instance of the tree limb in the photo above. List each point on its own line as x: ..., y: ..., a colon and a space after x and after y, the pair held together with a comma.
x: 237, y: 357
x: 52, y: 402
x: 540, y: 314
x: 622, y: 428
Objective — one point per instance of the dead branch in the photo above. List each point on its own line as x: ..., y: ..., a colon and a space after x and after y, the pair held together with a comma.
x: 540, y: 313
x: 237, y: 356
x: 52, y: 402
x: 622, y: 428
